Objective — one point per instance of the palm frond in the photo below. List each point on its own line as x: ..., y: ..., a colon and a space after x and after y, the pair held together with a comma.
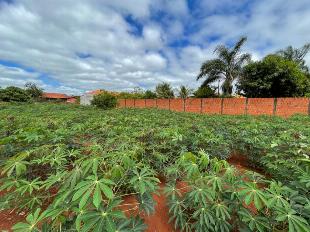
x: 212, y: 68
x: 238, y: 45
x: 242, y: 60
x: 223, y: 53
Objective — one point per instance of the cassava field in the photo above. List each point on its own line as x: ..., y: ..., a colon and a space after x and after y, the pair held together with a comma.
x: 72, y: 168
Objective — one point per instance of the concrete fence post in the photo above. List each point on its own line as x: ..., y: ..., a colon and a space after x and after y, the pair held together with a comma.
x: 275, y: 100
x: 222, y: 105
x: 246, y: 106
x: 184, y: 103
x: 169, y: 103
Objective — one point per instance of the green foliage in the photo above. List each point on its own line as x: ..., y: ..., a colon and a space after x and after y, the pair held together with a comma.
x: 14, y: 94
x: 297, y: 55
x: 149, y: 94
x: 104, y: 101
x: 33, y: 90
x: 184, y: 92
x: 274, y: 76
x: 228, y: 65
x: 81, y: 164
x: 204, y: 92
x: 225, y: 199
x: 164, y: 90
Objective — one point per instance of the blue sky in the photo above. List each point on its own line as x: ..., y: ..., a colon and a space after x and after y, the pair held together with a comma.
x: 73, y: 46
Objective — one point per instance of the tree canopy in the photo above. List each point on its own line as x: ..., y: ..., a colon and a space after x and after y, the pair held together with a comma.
x: 14, y: 94
x: 184, y: 92
x: 164, y: 90
x: 33, y: 90
x: 274, y: 76
x: 297, y: 55
x: 204, y: 92
x: 228, y: 66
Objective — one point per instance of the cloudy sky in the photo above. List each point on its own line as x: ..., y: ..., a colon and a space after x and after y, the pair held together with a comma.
x: 73, y: 46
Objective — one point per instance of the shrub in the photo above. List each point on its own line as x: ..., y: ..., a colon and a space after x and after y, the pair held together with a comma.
x: 204, y: 91
x: 149, y: 94
x: 104, y: 101
x: 14, y: 94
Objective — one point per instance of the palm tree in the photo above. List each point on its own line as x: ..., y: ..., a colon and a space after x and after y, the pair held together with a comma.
x: 184, y: 92
x: 228, y: 66
x: 297, y: 55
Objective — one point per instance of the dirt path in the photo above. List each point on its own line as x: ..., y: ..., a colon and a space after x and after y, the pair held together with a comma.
x: 157, y: 222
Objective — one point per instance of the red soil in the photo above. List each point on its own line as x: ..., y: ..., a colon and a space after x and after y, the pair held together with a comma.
x: 157, y: 222
x: 242, y: 162
x: 9, y: 217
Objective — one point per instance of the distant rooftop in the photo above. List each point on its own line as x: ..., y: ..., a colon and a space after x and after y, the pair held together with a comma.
x: 55, y: 96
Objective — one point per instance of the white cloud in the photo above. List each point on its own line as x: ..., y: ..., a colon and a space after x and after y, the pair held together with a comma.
x: 48, y: 36
x: 18, y: 75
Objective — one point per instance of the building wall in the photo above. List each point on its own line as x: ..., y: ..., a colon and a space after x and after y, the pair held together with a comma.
x: 86, y: 99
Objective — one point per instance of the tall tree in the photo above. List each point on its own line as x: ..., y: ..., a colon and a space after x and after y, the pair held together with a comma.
x: 297, y: 55
x: 184, y: 92
x: 227, y: 66
x: 274, y: 76
x: 164, y: 90
x: 33, y: 90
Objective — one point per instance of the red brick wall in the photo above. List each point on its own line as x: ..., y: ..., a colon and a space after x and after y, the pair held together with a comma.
x: 211, y: 105
x: 177, y: 105
x: 121, y: 103
x: 130, y: 103
x: 193, y: 105
x: 139, y: 103
x: 163, y: 104
x: 259, y: 106
x: 150, y: 103
x: 255, y: 106
x: 289, y: 106
x: 234, y: 106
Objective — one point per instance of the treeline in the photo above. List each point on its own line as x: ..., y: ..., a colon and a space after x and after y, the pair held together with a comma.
x: 282, y: 74
x: 233, y: 73
x: 165, y: 90
x: 30, y: 92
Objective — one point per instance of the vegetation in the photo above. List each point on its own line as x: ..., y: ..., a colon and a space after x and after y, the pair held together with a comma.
x: 71, y: 168
x: 204, y: 92
x: 274, y: 76
x: 14, y: 94
x: 184, y: 92
x: 297, y: 55
x: 227, y: 66
x: 104, y: 101
x: 33, y: 90
x: 164, y: 90
x: 149, y: 94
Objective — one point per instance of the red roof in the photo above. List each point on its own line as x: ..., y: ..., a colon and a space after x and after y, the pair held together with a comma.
x: 55, y: 95
x: 95, y: 92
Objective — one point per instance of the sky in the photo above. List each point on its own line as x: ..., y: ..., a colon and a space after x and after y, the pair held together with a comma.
x: 73, y: 46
